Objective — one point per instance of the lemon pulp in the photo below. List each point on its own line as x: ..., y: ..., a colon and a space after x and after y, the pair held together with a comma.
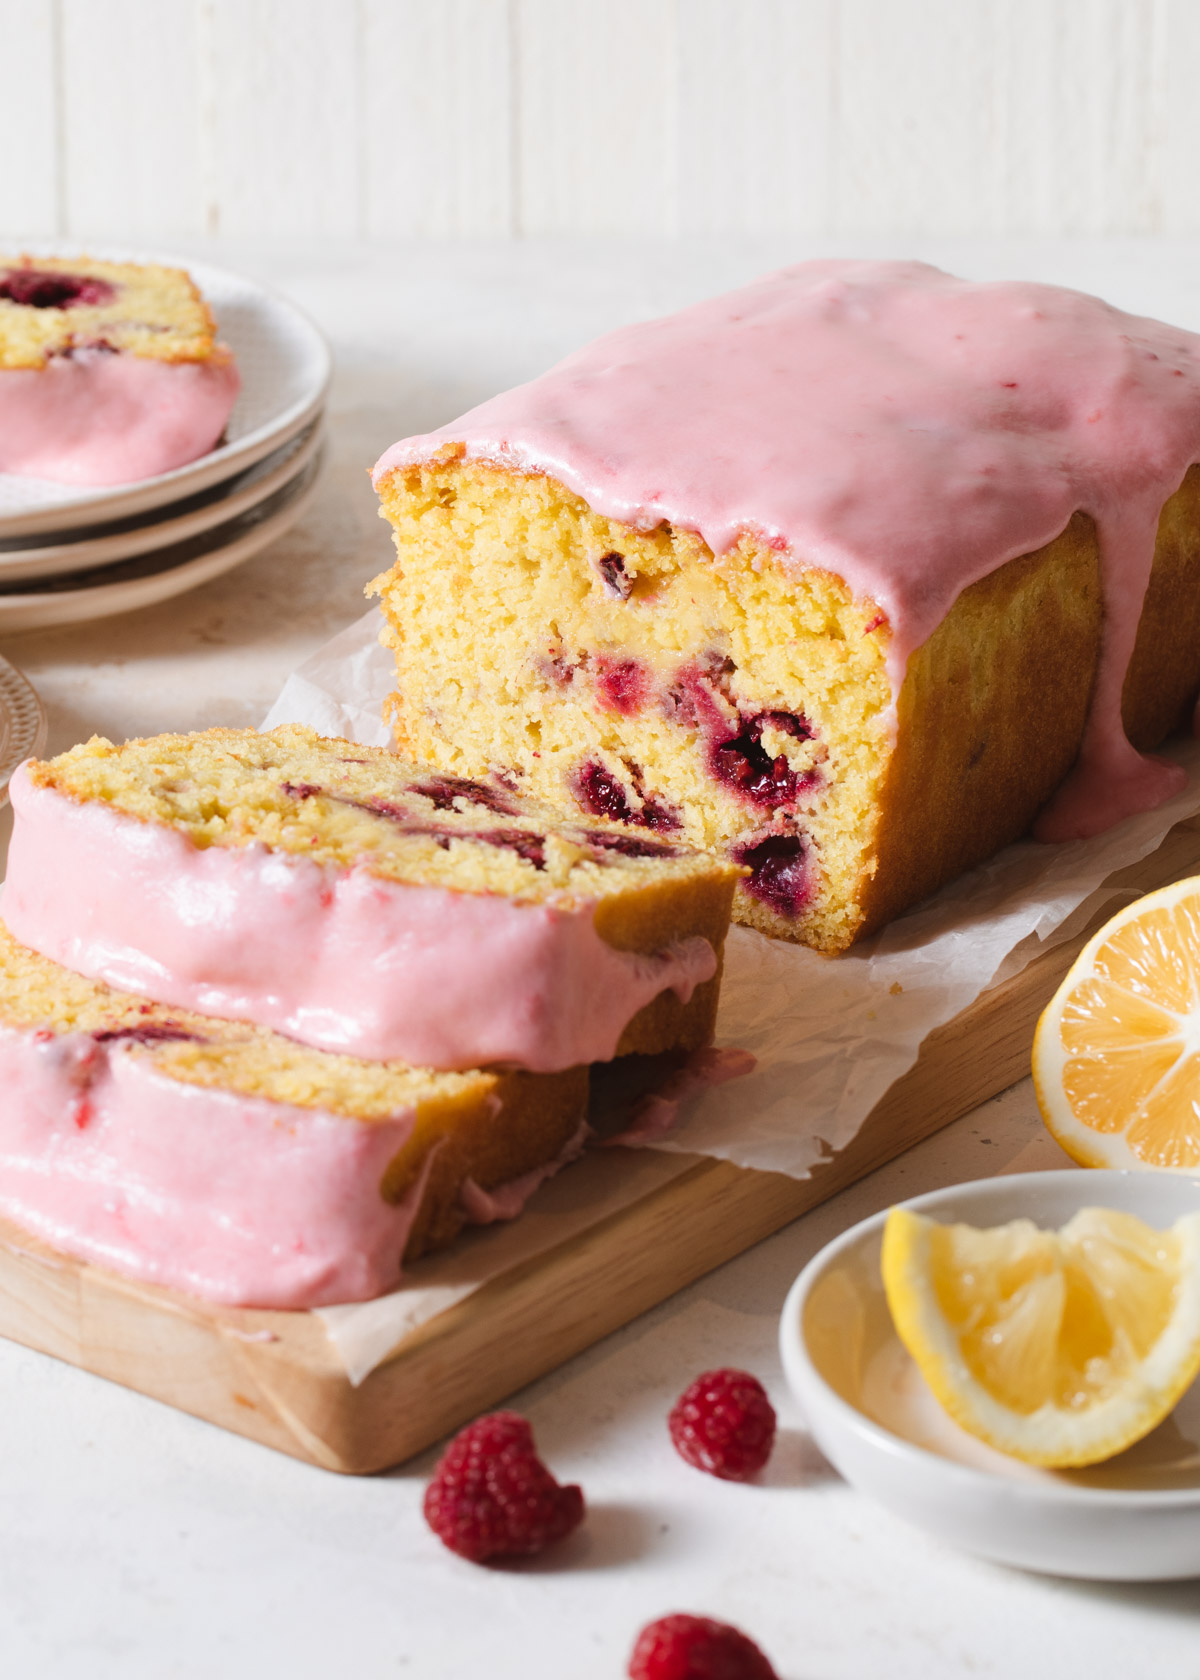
x: 1116, y: 1058
x: 1058, y: 1347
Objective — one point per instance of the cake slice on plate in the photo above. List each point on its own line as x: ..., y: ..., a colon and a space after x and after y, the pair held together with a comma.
x: 109, y: 372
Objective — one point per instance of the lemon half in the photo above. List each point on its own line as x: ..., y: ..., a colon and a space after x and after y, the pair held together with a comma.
x: 1057, y: 1347
x: 1116, y: 1056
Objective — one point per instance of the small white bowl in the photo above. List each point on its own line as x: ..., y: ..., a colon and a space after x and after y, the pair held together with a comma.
x: 1135, y: 1518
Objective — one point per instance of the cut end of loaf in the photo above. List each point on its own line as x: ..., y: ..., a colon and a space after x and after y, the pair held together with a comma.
x: 732, y: 701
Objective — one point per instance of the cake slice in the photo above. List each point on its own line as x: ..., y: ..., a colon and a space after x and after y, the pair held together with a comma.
x: 109, y: 372
x: 364, y: 904
x: 848, y: 576
x: 221, y: 1159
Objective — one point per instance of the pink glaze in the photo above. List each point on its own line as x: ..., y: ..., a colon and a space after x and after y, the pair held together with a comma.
x: 507, y: 1201
x: 337, y: 958
x: 905, y: 430
x: 104, y: 417
x: 234, y: 1198
x: 656, y: 1113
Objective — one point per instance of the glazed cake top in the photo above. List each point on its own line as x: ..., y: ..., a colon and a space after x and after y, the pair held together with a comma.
x: 905, y: 430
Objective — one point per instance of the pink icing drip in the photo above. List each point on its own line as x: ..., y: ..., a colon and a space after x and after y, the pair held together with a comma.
x: 506, y: 1201
x: 99, y: 417
x: 342, y: 959
x: 1111, y: 779
x: 233, y: 1198
x: 905, y: 430
x: 658, y: 1111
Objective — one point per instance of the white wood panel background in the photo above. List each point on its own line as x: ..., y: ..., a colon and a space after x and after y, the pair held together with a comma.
x: 384, y: 119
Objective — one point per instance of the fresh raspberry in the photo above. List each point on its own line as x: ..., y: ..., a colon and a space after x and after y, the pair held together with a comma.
x: 724, y: 1424
x: 695, y: 1648
x: 491, y: 1495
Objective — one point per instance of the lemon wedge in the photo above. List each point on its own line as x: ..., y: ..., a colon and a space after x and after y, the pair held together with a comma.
x: 1116, y: 1056
x: 1057, y: 1347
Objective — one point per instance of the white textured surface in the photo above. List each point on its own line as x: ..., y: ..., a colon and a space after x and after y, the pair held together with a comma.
x: 432, y: 75
x: 483, y: 117
x: 30, y: 200
x: 138, y: 1544
x: 128, y: 114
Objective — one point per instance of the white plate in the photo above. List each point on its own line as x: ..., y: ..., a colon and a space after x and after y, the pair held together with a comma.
x: 102, y: 545
x: 162, y: 574
x: 22, y: 723
x: 1135, y: 1518
x: 285, y: 366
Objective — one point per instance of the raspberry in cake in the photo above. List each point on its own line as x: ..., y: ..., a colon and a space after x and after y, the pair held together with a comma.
x: 363, y: 903
x: 810, y: 575
x: 221, y: 1159
x: 109, y: 372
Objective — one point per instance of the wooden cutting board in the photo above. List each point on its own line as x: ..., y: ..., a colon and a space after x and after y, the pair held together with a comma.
x: 275, y: 1377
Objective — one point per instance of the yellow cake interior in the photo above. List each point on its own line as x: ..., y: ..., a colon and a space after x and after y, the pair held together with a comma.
x: 329, y: 800
x: 741, y: 701
x: 479, y: 692
x: 147, y: 310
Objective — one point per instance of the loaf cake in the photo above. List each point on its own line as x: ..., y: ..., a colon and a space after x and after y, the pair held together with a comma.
x: 109, y: 372
x: 364, y: 904
x: 221, y: 1159
x: 840, y: 576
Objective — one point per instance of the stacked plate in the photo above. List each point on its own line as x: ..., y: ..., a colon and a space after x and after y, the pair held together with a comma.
x: 69, y: 553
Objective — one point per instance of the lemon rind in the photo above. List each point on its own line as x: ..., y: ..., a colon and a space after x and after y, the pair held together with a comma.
x: 1041, y: 1437
x: 1085, y: 1145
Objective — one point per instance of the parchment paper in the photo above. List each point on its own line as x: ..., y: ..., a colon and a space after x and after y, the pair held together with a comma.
x: 830, y: 1034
